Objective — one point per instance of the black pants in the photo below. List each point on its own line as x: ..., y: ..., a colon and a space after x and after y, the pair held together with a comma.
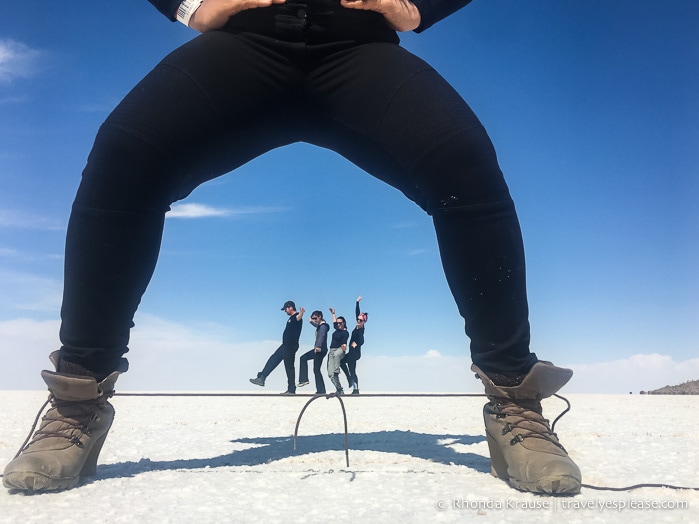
x: 317, y: 357
x: 287, y: 354
x: 272, y: 77
x: 349, y: 365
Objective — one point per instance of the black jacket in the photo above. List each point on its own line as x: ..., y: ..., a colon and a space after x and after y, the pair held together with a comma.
x: 431, y: 11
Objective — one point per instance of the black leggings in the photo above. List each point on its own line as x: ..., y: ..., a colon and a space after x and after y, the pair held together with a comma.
x: 349, y: 366
x: 272, y: 77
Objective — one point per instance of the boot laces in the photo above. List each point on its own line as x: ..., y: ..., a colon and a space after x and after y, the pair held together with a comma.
x: 65, y: 419
x: 527, y: 420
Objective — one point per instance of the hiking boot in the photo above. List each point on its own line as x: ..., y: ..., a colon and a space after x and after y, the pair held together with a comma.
x: 524, y: 450
x: 66, y: 446
x: 259, y: 380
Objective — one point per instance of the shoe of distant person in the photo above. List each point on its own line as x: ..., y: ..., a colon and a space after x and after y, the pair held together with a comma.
x: 259, y: 380
x: 302, y: 383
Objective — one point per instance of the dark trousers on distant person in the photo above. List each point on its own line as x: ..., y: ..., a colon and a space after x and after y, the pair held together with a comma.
x: 268, y: 79
x: 287, y: 354
x: 317, y: 357
x: 349, y: 366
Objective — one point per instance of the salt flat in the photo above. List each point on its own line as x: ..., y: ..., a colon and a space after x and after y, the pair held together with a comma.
x: 414, y: 459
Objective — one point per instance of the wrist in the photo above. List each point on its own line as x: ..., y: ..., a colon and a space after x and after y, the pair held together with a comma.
x: 187, y: 9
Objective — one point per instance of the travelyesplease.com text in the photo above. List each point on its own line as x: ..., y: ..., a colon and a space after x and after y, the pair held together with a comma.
x: 558, y: 504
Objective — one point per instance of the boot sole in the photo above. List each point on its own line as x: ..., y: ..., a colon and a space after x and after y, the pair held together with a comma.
x: 555, y: 485
x: 35, y: 481
x: 558, y: 485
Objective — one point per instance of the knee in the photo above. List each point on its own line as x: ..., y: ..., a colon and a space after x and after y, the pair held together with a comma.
x: 461, y: 171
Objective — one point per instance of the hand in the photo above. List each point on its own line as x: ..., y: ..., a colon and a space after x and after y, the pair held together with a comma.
x: 401, y: 15
x: 332, y: 310
x: 301, y: 310
x: 353, y: 344
x: 213, y: 14
x: 359, y: 298
x: 317, y: 350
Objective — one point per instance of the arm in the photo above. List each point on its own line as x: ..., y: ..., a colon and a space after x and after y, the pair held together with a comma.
x: 357, y: 311
x: 332, y: 310
x: 299, y: 315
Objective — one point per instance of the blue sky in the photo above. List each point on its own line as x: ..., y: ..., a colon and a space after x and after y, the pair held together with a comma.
x: 593, y: 109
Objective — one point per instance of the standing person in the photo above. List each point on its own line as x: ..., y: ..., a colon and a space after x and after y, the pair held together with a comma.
x: 354, y: 350
x: 264, y: 74
x: 287, y: 351
x: 338, y: 346
x: 317, y: 354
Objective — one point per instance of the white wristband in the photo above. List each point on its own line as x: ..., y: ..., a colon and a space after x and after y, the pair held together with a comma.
x: 186, y: 9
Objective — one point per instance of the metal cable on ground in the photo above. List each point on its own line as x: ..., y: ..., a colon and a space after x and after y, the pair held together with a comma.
x: 344, y: 414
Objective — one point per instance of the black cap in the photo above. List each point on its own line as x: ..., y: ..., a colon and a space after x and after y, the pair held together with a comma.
x: 288, y: 303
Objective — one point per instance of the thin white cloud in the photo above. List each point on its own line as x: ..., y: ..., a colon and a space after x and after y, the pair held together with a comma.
x: 17, y: 60
x: 20, y: 220
x: 29, y: 293
x: 195, y: 210
x: 13, y: 100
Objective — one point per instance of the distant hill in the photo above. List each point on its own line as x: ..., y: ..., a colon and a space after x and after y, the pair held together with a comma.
x: 690, y: 387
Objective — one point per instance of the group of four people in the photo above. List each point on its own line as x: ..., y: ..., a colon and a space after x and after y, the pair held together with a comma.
x: 343, y: 353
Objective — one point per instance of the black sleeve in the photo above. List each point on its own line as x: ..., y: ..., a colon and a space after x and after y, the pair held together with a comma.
x: 357, y: 311
x: 167, y: 7
x: 432, y: 11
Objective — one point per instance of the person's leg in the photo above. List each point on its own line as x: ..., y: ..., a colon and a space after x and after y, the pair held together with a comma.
x: 210, y: 106
x: 303, y: 366
x: 345, y: 369
x: 393, y: 115
x: 274, y: 360
x: 289, y: 367
x: 317, y: 373
x: 334, y: 358
x: 351, y: 360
